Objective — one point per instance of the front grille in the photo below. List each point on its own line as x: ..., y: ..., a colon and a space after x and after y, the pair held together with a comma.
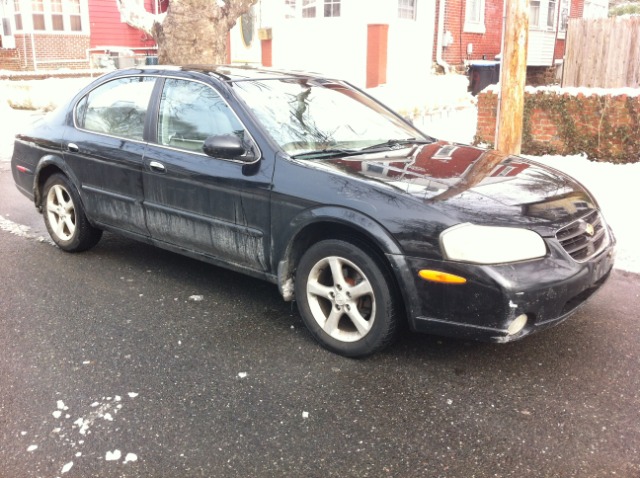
x: 584, y: 238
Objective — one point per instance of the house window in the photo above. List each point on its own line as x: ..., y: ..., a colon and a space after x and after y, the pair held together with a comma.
x: 57, y: 19
x: 543, y: 14
x: 445, y: 152
x: 331, y: 8
x: 289, y: 8
x: 75, y: 17
x: 534, y: 13
x: 17, y: 14
x: 308, y: 8
x: 37, y: 7
x: 50, y: 15
x: 6, y: 28
x: 506, y: 171
x: 474, y: 16
x: 407, y: 9
x: 564, y: 15
x: 551, y: 14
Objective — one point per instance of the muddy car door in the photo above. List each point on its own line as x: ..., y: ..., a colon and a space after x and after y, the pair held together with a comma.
x: 198, y: 202
x: 105, y: 151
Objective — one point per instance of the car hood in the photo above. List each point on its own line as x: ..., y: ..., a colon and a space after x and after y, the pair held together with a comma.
x: 471, y: 184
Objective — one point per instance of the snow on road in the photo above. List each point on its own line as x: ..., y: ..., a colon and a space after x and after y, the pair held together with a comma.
x: 65, y: 429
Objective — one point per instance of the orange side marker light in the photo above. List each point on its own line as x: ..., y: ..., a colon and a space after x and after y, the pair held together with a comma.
x: 443, y: 277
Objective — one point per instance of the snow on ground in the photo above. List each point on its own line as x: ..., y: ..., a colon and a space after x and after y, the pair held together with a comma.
x: 613, y: 186
x: 439, y: 105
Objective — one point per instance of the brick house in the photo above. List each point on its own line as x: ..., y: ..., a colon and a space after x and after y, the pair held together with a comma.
x: 471, y: 30
x: 53, y: 34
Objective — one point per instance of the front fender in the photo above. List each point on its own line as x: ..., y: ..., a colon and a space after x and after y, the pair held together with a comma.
x: 351, y: 218
x: 323, y: 218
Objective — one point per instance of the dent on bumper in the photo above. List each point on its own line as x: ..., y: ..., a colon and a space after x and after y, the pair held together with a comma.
x: 548, y: 291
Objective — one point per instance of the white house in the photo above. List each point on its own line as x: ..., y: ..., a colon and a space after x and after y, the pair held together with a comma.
x: 368, y: 42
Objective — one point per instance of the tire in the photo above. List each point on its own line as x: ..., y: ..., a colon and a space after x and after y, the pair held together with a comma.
x: 346, y: 299
x: 64, y: 216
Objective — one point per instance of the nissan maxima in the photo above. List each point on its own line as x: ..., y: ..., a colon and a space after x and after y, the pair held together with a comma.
x: 311, y: 184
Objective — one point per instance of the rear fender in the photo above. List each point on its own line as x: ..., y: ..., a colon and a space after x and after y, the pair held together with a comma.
x: 48, y: 165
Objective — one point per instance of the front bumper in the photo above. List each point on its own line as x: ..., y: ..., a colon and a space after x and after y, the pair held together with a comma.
x: 548, y: 291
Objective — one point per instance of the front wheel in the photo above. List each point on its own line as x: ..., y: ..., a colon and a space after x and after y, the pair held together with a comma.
x: 65, y: 218
x: 346, y: 299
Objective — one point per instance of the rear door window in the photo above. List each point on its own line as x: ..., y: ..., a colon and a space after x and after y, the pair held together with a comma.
x: 117, y: 108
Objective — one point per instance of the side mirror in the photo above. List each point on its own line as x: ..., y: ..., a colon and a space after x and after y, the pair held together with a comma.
x: 227, y: 146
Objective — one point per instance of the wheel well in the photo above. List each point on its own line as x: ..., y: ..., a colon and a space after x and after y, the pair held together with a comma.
x: 43, y: 175
x: 330, y: 230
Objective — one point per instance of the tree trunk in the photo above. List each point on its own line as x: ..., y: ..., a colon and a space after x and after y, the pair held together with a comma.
x: 192, y: 32
x: 195, y: 31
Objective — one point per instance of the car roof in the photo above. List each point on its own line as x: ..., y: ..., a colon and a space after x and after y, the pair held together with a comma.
x: 233, y: 72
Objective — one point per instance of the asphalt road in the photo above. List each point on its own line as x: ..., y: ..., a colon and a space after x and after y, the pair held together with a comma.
x: 110, y: 368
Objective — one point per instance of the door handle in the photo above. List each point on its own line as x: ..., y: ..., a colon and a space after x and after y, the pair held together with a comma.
x: 157, y: 167
x: 73, y: 147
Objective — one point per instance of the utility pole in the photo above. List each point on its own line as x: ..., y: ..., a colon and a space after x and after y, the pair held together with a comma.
x: 513, y: 73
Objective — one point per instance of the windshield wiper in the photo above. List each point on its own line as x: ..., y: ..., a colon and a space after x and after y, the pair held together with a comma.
x: 326, y: 153
x: 395, y: 144
x: 389, y: 145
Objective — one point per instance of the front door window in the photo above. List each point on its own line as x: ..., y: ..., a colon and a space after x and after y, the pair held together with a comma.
x: 190, y: 112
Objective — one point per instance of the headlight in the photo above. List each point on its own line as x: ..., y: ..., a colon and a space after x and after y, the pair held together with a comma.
x: 491, y: 245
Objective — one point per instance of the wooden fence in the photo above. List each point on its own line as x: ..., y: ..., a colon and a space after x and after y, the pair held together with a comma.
x: 602, y: 53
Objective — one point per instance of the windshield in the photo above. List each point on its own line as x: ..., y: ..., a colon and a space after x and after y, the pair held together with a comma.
x: 304, y: 115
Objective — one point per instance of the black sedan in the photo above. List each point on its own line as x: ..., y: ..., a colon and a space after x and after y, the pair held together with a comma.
x: 309, y: 183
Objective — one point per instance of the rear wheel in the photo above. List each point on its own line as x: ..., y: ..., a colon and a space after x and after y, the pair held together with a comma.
x: 65, y: 218
x: 346, y: 298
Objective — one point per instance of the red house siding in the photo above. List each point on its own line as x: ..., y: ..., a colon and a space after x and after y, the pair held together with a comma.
x: 558, y: 53
x: 107, y: 30
x: 577, y: 9
x: 485, y: 46
x: 489, y: 44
